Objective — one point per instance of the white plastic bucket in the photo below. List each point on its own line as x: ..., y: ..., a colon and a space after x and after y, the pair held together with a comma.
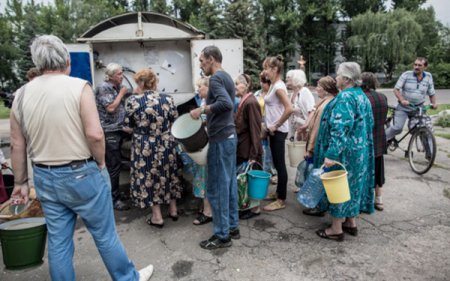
x: 296, y: 152
x: 200, y: 157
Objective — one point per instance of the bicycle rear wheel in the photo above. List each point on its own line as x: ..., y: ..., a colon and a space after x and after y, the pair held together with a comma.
x: 422, y: 150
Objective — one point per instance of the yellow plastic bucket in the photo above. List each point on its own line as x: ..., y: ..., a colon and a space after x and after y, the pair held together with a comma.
x: 296, y: 152
x: 336, y: 185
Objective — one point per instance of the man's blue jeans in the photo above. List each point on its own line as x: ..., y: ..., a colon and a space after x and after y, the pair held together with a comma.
x: 84, y: 191
x: 221, y: 189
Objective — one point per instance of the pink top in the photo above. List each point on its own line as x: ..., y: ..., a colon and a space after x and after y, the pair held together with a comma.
x: 274, y: 108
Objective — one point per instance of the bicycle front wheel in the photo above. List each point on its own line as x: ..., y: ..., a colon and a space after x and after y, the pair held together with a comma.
x: 422, y: 150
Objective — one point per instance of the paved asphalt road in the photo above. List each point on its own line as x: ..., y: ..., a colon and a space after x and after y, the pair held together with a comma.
x: 443, y: 96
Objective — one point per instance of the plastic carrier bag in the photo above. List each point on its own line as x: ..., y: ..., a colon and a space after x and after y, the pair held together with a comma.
x: 303, y: 170
x: 312, y: 190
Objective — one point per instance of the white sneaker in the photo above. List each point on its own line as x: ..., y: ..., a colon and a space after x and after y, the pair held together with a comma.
x: 146, y: 273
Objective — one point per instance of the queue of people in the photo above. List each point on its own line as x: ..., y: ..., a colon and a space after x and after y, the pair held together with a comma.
x: 82, y: 162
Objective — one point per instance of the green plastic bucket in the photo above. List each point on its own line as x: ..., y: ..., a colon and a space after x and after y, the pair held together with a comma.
x: 23, y: 242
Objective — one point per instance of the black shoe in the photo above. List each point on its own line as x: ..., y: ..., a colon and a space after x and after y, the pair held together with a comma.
x: 315, y: 212
x: 235, y: 233
x: 248, y: 215
x: 119, y: 205
x: 124, y: 196
x: 215, y: 243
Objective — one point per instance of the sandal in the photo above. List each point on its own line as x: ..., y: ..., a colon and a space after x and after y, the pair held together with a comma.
x: 336, y: 237
x: 158, y: 225
x: 202, y: 219
x: 379, y: 206
x: 174, y: 218
x: 272, y: 196
x: 353, y: 231
x: 275, y: 205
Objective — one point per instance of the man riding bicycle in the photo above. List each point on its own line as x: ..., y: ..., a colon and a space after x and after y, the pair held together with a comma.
x: 411, y: 90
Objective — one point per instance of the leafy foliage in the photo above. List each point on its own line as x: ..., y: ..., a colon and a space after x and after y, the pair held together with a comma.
x: 384, y: 40
x: 318, y: 36
x: 410, y: 5
x: 208, y: 19
x: 240, y: 14
x: 352, y: 8
x: 441, y: 74
x: 8, y: 54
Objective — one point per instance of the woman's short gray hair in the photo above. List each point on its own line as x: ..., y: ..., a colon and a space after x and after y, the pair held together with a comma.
x: 111, y: 69
x: 298, y: 77
x: 48, y: 52
x: 350, y: 70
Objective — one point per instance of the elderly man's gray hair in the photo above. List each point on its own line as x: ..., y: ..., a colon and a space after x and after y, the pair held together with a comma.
x: 48, y: 52
x: 111, y: 69
x: 298, y: 77
x: 350, y: 70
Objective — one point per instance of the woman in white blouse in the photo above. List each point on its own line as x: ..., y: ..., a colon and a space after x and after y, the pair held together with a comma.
x: 302, y: 102
x: 278, y: 109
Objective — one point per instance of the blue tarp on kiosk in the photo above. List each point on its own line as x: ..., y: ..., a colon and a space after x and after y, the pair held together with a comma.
x: 81, y: 66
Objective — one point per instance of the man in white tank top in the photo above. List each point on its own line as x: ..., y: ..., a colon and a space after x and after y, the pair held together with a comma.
x: 55, y: 118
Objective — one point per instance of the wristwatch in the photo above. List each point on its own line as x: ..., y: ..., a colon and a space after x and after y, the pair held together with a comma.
x: 202, y: 109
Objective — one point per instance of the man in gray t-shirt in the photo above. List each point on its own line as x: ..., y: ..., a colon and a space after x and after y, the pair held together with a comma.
x: 411, y: 90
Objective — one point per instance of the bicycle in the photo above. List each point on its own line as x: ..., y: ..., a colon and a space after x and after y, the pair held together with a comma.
x: 421, y: 151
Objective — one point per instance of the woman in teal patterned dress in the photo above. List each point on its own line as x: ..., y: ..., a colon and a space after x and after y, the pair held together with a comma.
x: 345, y: 136
x: 155, y: 174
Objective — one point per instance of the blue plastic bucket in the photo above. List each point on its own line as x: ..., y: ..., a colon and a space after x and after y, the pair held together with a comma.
x: 258, y: 184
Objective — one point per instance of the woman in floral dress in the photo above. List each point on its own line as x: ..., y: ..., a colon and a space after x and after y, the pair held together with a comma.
x: 345, y: 136
x: 155, y: 174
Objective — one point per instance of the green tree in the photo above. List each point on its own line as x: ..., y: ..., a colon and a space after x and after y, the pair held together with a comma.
x: 352, y: 8
x: 281, y: 19
x: 8, y: 55
x: 239, y: 15
x: 381, y: 41
x: 409, y: 5
x: 160, y: 6
x: 431, y: 29
x: 86, y: 13
x: 209, y: 18
x: 63, y: 26
x: 140, y: 5
x: 183, y: 9
x: 31, y: 29
x: 14, y: 12
x: 317, y: 34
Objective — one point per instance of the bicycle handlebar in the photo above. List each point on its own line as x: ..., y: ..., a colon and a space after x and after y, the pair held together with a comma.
x: 424, y: 107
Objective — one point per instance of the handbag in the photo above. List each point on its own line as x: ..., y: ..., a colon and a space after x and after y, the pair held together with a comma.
x: 312, y: 190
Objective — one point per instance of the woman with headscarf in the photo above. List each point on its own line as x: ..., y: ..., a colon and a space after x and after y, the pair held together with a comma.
x: 345, y: 136
x: 248, y: 127
x: 326, y: 90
